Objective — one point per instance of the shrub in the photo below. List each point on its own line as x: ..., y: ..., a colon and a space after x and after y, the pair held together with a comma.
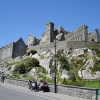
x: 95, y: 47
x: 20, y: 68
x: 15, y: 76
x: 42, y: 69
x: 31, y: 63
x: 59, y: 52
x: 77, y: 81
x: 73, y: 78
x: 64, y: 81
x: 42, y: 56
x: 63, y: 62
x: 96, y: 66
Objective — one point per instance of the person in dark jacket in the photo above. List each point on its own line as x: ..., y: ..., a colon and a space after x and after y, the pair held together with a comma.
x: 45, y: 87
x: 29, y: 84
x: 2, y: 77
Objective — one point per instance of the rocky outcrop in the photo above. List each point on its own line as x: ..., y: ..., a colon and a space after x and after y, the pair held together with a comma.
x: 46, y: 59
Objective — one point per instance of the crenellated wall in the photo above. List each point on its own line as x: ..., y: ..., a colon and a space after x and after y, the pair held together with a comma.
x: 12, y: 50
x: 6, y: 53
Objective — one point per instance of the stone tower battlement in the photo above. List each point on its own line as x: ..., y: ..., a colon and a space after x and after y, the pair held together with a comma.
x: 81, y: 34
x: 5, y: 47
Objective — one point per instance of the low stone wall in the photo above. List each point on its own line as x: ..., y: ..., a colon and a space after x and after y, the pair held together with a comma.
x: 81, y: 92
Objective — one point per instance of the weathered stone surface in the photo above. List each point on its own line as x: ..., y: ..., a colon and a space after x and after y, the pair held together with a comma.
x: 12, y: 50
x: 33, y: 73
x: 65, y: 74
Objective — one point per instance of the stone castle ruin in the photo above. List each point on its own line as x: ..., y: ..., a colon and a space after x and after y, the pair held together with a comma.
x: 65, y: 40
x: 12, y: 50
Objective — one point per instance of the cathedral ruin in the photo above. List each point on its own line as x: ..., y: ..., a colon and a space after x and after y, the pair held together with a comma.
x: 65, y: 40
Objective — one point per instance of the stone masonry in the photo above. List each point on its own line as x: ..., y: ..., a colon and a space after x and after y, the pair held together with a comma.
x: 12, y: 50
x: 79, y: 38
x: 80, y: 92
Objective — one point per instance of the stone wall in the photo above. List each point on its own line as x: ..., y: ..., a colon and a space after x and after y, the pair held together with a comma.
x: 12, y: 50
x: 78, y: 35
x: 60, y: 45
x: 80, y: 92
x: 6, y: 53
x: 19, y: 48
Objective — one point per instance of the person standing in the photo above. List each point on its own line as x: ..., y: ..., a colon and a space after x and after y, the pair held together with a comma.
x: 2, y: 77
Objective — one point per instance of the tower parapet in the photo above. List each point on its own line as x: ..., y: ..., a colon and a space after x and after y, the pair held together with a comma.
x: 50, y: 31
x: 48, y: 37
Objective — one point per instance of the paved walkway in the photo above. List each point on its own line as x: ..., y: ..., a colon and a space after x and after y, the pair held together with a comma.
x: 49, y: 94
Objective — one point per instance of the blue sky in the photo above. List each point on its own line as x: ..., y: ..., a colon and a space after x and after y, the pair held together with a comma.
x: 18, y: 18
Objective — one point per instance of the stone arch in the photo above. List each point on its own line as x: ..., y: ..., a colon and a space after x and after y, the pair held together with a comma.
x: 92, y: 40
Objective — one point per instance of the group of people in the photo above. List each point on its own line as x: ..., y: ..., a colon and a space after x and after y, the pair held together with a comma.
x: 38, y: 86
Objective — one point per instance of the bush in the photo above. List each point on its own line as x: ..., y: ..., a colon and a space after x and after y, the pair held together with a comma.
x: 64, y: 81
x: 31, y: 52
x: 20, y: 69
x: 15, y: 76
x: 73, y: 78
x: 95, y: 47
x: 42, y: 56
x: 59, y: 52
x: 31, y: 63
x: 63, y: 62
x: 77, y: 81
x: 42, y: 69
x: 96, y: 66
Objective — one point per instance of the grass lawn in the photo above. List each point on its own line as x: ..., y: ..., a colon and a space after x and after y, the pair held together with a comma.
x: 92, y: 84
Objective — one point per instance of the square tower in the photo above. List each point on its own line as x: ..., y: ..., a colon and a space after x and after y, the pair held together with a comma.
x: 50, y: 31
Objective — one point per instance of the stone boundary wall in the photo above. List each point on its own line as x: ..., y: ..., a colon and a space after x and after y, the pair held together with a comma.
x: 80, y: 92
x: 60, y: 45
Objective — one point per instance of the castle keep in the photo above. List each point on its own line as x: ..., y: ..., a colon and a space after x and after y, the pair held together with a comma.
x: 65, y: 40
